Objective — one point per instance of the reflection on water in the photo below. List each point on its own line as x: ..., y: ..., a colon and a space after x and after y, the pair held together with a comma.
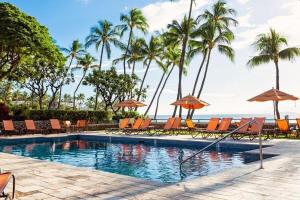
x: 138, y: 160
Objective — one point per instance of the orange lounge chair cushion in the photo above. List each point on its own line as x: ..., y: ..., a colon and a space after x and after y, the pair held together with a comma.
x: 137, y: 123
x: 257, y: 127
x: 242, y: 123
x: 30, y: 125
x: 189, y: 123
x: 283, y: 125
x: 123, y: 123
x: 8, y: 125
x: 212, y: 124
x: 176, y: 123
x: 225, y: 124
x: 169, y: 123
x: 146, y: 123
x: 4, y: 179
x: 55, y: 125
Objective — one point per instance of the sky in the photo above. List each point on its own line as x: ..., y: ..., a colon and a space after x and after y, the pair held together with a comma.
x: 229, y: 84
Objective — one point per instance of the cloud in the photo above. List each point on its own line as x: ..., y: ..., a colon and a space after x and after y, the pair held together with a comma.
x: 243, y: 2
x: 160, y: 14
x: 284, y: 24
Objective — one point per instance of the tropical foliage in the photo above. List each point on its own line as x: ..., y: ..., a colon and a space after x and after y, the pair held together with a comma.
x: 34, y: 70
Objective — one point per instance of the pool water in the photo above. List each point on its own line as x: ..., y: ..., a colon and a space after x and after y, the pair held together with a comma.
x: 157, y: 163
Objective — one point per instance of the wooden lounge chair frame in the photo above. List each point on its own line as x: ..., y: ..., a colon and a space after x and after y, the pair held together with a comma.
x: 224, y: 127
x: 4, y: 180
x: 211, y: 126
x: 30, y: 127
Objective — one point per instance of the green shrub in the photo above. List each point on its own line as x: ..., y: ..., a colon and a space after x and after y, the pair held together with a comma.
x: 127, y: 114
x: 92, y: 116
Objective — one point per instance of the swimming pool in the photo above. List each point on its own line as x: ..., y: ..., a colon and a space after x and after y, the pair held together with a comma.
x: 156, y: 160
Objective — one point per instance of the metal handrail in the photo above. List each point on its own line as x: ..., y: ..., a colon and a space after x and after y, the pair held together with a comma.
x: 224, y: 137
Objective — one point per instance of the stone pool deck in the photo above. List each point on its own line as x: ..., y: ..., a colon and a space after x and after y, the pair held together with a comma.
x: 280, y: 179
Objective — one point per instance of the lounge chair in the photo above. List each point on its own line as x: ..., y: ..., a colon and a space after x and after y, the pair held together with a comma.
x: 223, y: 127
x: 167, y: 127
x: 211, y: 127
x: 122, y: 125
x: 30, y: 127
x: 282, y: 127
x: 190, y: 126
x: 135, y: 126
x: 4, y: 180
x: 244, y: 124
x: 176, y: 127
x: 255, y: 129
x: 145, y: 126
x: 81, y: 125
x: 8, y: 127
x: 68, y: 126
x: 55, y: 126
x: 298, y: 126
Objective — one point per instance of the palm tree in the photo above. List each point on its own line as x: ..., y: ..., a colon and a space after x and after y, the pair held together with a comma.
x: 80, y: 98
x: 270, y: 48
x: 152, y: 52
x: 172, y: 58
x: 134, y: 20
x: 215, y: 32
x: 73, y: 52
x: 102, y: 36
x: 84, y: 63
x: 179, y: 33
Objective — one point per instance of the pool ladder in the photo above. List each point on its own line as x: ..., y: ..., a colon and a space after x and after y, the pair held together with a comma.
x: 224, y: 137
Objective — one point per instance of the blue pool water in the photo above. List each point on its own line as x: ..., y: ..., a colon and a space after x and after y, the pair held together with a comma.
x: 142, y: 160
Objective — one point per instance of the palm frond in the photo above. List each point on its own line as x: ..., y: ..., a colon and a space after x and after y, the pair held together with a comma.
x: 258, y: 60
x: 289, y: 53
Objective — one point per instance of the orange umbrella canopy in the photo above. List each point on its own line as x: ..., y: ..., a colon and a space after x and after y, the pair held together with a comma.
x: 130, y: 103
x: 273, y: 95
x: 190, y: 102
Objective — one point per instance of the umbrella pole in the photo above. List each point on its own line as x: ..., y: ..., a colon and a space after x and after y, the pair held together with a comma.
x: 274, y: 110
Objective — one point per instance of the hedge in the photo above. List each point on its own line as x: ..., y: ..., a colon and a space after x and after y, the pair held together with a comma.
x: 92, y: 116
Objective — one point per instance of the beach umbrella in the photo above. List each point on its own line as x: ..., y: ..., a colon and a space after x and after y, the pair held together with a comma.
x: 273, y: 95
x: 130, y: 103
x: 190, y: 102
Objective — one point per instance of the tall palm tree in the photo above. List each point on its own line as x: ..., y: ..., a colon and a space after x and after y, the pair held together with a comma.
x: 270, y: 48
x: 102, y: 36
x: 215, y: 32
x: 133, y: 20
x: 134, y: 54
x: 179, y: 33
x: 152, y: 52
x: 171, y: 57
x: 84, y: 63
x: 73, y: 52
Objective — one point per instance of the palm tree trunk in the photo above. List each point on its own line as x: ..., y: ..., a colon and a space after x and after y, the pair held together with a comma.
x: 96, y: 99
x: 163, y: 87
x: 197, y: 78
x: 127, y: 48
x: 101, y: 57
x: 62, y: 83
x: 277, y: 87
x: 159, y: 84
x: 74, y: 96
x: 183, y: 51
x: 133, y: 68
x: 203, y: 81
x: 142, y: 84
